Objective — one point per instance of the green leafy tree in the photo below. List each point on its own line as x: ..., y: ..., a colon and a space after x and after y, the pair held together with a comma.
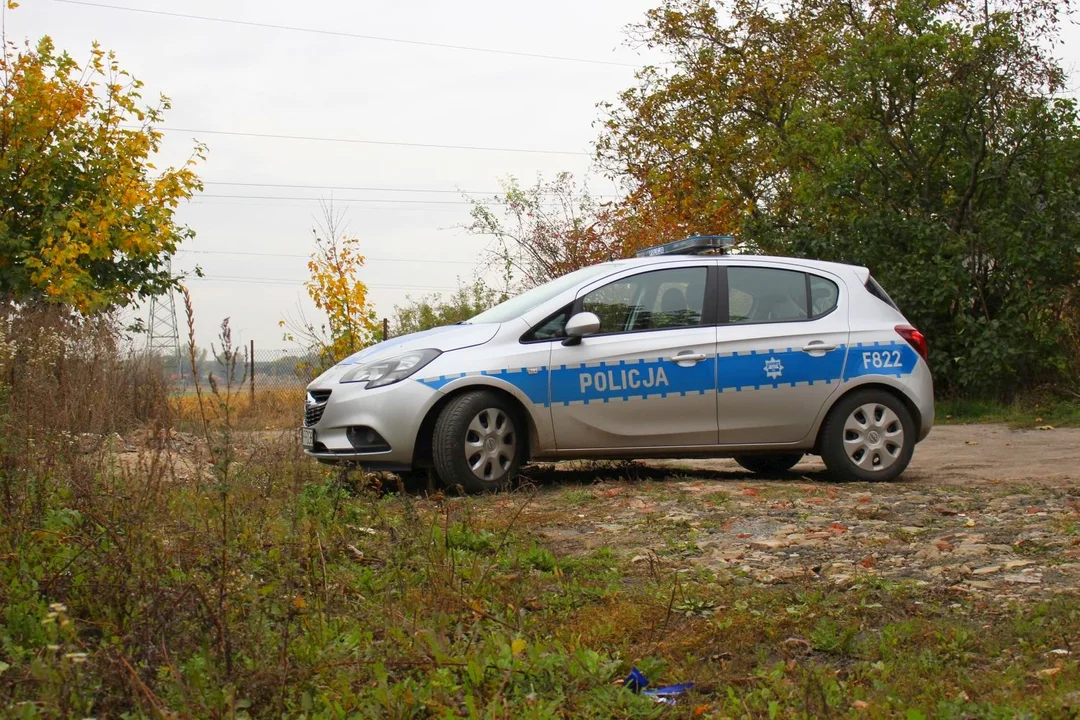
x: 435, y: 311
x: 543, y: 231
x: 86, y: 219
x: 923, y: 138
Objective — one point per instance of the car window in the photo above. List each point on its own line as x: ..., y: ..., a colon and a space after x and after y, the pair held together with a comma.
x: 823, y: 296
x: 739, y: 304
x: 650, y: 301
x: 875, y: 289
x: 515, y: 307
x: 764, y: 295
x: 551, y: 328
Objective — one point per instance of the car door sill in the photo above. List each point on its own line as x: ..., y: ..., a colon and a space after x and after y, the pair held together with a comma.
x: 667, y: 451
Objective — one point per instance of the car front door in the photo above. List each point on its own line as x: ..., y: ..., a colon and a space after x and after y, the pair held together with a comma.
x: 781, y: 345
x: 648, y: 377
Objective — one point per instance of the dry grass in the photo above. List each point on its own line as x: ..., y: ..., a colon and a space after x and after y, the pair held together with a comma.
x: 267, y: 410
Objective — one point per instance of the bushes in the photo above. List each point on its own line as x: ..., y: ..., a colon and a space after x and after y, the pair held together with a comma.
x: 930, y: 142
x: 62, y: 373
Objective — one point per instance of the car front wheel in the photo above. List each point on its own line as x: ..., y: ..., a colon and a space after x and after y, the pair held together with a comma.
x: 478, y: 443
x: 869, y: 436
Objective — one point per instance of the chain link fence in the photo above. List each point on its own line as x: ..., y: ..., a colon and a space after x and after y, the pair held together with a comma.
x: 265, y: 386
x: 255, y: 370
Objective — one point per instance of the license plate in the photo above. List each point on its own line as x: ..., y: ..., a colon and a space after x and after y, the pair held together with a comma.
x: 307, y: 437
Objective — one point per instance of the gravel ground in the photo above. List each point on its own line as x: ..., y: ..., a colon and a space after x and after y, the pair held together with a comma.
x: 983, y: 511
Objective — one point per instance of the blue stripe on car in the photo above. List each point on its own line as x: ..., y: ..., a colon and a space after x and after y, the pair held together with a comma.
x: 895, y: 359
x: 774, y: 368
x: 623, y: 380
x: 737, y: 371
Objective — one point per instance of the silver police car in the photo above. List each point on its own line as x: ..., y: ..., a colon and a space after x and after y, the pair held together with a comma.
x: 676, y: 353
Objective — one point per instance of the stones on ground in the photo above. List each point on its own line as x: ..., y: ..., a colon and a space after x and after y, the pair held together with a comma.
x: 768, y: 544
x: 981, y: 584
x: 988, y: 570
x: 1022, y: 579
x: 803, y: 531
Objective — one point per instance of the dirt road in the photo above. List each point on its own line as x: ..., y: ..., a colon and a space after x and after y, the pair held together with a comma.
x: 966, y: 455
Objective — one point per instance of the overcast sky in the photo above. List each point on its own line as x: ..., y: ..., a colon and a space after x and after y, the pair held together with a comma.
x: 237, y: 78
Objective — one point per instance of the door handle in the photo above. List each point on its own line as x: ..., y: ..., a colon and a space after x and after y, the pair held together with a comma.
x: 818, y: 346
x: 690, y: 356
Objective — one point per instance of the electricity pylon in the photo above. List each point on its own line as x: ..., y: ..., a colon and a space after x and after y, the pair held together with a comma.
x: 163, y: 332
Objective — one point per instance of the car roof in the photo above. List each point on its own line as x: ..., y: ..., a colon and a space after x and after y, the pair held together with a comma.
x: 833, y: 267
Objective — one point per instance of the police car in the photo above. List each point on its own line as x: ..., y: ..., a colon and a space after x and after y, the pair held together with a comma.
x: 683, y: 351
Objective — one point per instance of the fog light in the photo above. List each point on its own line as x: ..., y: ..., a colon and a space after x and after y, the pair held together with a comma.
x: 365, y: 439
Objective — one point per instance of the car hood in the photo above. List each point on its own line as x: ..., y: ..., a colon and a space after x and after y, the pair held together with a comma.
x: 444, y: 339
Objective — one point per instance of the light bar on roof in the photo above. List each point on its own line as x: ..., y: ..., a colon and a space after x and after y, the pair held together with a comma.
x: 691, y: 246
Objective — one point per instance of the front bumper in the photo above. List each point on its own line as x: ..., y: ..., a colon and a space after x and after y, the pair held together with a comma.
x: 395, y: 412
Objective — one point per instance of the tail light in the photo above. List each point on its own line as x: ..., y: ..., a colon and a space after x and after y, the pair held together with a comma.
x: 915, y: 338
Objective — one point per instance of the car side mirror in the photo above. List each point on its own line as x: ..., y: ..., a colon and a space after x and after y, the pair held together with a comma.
x: 580, y: 325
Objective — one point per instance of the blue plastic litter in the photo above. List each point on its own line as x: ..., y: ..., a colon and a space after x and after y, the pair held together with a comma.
x: 637, y: 682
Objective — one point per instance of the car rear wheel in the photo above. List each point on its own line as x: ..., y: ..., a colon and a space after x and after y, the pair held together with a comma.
x: 869, y: 436
x: 477, y: 444
x: 772, y: 464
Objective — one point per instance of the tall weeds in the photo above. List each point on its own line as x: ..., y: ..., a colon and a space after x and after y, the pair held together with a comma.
x: 153, y: 576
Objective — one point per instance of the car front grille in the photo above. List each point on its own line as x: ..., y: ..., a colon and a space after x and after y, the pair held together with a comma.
x: 316, y: 404
x: 313, y: 414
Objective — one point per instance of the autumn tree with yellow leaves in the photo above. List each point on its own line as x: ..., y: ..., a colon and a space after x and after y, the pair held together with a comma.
x: 86, y: 219
x: 335, y: 288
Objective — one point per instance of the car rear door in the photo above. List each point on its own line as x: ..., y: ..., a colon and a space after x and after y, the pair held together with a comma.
x: 648, y: 378
x: 781, y: 344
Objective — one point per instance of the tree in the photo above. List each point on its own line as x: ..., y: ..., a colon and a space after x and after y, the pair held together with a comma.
x: 432, y: 311
x: 336, y: 290
x: 86, y: 219
x: 547, y: 230
x: 922, y: 138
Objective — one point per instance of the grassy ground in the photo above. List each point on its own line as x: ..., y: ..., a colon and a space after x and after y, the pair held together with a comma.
x: 1022, y: 413
x: 270, y: 587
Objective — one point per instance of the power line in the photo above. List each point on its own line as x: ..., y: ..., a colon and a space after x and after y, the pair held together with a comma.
x: 354, y: 141
x: 287, y: 205
x: 357, y: 36
x: 361, y: 188
x: 343, y: 187
x: 349, y: 200
x: 305, y: 257
x: 284, y: 281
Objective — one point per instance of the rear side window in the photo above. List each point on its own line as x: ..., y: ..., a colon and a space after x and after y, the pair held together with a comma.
x: 769, y: 295
x: 875, y: 289
x: 823, y: 296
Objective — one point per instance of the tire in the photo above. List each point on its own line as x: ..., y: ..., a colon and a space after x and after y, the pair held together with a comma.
x: 478, y: 442
x: 869, y: 436
x: 774, y: 464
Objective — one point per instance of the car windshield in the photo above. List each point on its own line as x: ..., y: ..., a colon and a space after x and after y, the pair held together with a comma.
x: 517, y: 306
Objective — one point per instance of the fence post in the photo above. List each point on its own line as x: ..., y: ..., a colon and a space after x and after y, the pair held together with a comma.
x: 251, y: 378
x: 385, y: 329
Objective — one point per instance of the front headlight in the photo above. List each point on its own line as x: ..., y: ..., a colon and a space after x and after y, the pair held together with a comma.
x: 391, y: 370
